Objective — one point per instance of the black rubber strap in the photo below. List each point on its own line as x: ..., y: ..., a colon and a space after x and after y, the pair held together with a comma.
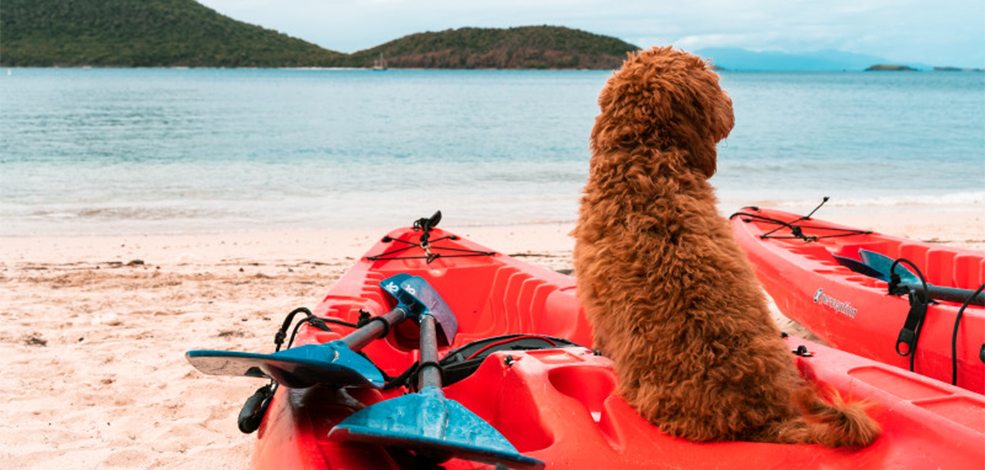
x: 435, y: 364
x: 386, y: 325
x: 910, y: 332
x: 424, y: 365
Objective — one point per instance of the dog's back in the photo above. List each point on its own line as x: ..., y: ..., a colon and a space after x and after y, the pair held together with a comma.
x: 672, y: 299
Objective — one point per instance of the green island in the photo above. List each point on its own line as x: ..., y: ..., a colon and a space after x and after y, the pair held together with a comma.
x: 890, y: 68
x: 184, y: 33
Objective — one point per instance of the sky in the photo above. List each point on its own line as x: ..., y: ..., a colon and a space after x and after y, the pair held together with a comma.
x: 934, y: 32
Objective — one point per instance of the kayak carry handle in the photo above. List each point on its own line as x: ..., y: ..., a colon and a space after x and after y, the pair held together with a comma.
x: 253, y: 410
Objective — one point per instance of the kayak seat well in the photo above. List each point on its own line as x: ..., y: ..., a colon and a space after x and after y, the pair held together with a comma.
x: 544, y: 397
x: 588, y: 386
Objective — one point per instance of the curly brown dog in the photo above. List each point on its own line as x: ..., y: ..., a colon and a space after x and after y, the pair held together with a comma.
x: 672, y: 299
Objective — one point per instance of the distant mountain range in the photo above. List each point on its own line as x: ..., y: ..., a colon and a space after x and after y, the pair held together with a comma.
x: 743, y: 60
x: 184, y: 33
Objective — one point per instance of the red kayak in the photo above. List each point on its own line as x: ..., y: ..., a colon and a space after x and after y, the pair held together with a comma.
x: 914, y: 305
x: 532, y: 382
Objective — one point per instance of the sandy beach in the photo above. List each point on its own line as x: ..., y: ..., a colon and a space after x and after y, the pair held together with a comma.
x: 95, y: 329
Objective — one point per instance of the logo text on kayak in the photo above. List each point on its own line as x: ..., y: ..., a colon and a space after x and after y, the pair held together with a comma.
x: 844, y: 308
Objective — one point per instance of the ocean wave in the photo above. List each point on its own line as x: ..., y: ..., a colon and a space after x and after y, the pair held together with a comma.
x: 123, y: 213
x: 972, y: 198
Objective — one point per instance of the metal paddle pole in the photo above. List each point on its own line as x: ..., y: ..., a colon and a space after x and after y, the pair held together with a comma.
x: 374, y: 329
x: 430, y: 373
x: 334, y: 363
x: 434, y: 427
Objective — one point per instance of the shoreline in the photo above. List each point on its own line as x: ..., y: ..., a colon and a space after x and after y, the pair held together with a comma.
x: 932, y: 68
x: 95, y: 328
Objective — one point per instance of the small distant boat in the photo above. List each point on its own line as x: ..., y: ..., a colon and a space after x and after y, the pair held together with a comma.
x: 379, y: 64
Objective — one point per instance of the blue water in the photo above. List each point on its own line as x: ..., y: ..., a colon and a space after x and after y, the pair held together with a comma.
x: 99, y: 151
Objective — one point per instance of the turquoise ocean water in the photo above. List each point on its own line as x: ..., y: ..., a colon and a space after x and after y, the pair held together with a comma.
x: 107, y: 151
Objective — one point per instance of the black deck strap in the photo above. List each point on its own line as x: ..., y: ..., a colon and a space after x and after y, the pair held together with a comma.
x: 954, y: 337
x: 910, y: 332
x: 463, y: 361
x: 913, y: 325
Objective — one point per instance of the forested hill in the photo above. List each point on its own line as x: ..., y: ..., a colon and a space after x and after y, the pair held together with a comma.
x: 526, y: 47
x: 152, y: 33
x: 171, y: 33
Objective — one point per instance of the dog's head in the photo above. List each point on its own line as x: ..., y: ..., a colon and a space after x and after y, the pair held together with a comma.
x: 665, y: 99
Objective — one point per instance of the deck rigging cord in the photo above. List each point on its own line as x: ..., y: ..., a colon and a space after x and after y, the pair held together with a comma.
x: 461, y: 362
x: 796, y: 230
x: 426, y: 244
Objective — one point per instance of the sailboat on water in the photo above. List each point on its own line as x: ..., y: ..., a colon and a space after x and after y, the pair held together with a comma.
x: 379, y: 64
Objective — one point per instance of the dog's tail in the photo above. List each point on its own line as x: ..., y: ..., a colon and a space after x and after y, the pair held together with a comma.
x: 831, y: 423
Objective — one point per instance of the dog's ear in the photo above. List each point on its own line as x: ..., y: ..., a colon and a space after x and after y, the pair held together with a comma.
x: 665, y: 99
x: 716, y: 121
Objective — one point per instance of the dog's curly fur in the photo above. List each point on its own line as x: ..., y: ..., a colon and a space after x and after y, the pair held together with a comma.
x: 671, y: 297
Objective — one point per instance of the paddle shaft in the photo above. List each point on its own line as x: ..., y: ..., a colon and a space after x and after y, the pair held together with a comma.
x: 430, y: 375
x: 947, y: 293
x: 371, y: 331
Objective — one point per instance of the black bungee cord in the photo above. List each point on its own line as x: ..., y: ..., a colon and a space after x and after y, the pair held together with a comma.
x: 954, y: 335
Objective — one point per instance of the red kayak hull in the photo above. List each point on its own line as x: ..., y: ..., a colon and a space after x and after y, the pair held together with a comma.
x: 557, y: 405
x: 853, y: 312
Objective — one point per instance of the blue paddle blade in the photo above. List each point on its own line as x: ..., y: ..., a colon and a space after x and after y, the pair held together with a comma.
x: 881, y: 263
x: 859, y: 267
x: 331, y: 363
x: 431, y: 424
x: 420, y: 298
